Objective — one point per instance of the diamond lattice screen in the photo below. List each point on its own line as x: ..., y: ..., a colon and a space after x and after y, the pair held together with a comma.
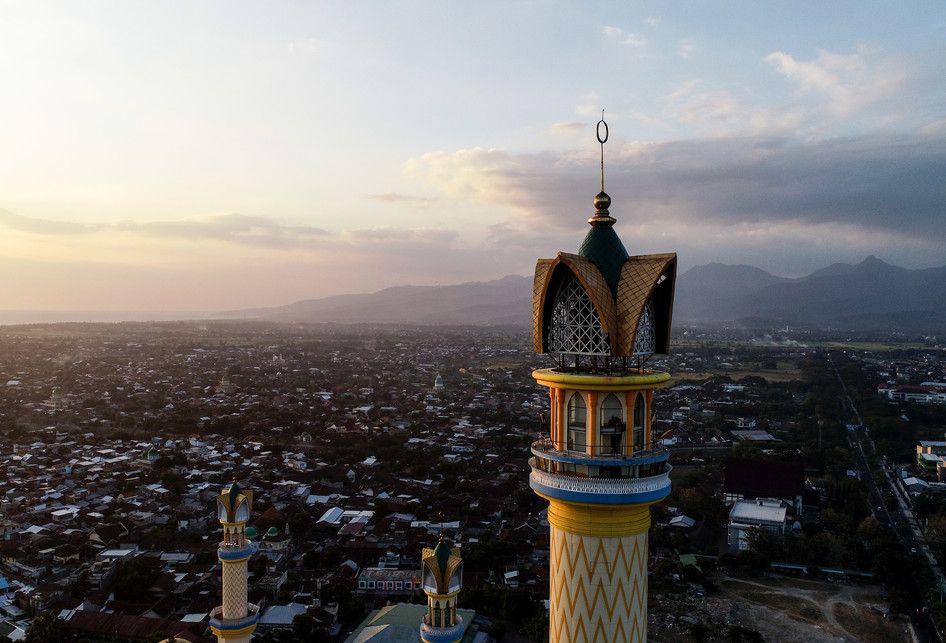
x: 645, y: 340
x: 575, y: 328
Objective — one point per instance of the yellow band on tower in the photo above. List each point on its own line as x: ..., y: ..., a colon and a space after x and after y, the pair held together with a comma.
x: 603, y: 521
x: 638, y: 381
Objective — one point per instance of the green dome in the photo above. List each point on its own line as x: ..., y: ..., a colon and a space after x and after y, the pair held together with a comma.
x: 250, y: 532
x: 272, y: 531
x: 604, y: 249
x: 442, y: 552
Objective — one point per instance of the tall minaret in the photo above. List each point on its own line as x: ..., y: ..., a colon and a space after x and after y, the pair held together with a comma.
x: 443, y: 577
x: 235, y: 620
x: 600, y: 314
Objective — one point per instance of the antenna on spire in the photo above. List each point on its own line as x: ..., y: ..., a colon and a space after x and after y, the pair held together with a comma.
x: 602, y: 140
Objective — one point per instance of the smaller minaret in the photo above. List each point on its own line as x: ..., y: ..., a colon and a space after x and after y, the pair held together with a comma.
x: 235, y: 620
x: 443, y: 576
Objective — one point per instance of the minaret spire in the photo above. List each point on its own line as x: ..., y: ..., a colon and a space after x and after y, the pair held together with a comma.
x: 602, y: 140
x: 602, y: 201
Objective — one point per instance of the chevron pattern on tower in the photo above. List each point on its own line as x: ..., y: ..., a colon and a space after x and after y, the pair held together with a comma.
x: 598, y: 588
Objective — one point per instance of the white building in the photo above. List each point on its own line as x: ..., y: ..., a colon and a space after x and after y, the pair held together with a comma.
x: 767, y: 514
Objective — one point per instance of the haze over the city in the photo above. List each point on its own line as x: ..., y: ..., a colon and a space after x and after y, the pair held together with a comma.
x: 198, y: 157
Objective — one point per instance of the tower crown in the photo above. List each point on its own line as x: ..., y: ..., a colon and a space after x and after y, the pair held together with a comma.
x: 601, y: 306
x: 234, y: 504
x: 443, y: 569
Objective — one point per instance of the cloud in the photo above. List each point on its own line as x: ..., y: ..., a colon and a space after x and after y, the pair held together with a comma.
x: 307, y: 47
x: 41, y: 226
x: 396, y: 198
x: 231, y: 228
x: 877, y: 183
x: 240, y: 229
x: 652, y: 21
x: 568, y: 127
x: 848, y: 83
x: 624, y: 37
x: 685, y: 47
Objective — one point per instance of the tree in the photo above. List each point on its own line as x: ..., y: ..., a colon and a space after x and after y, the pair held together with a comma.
x: 135, y: 578
x: 46, y: 627
x: 306, y: 628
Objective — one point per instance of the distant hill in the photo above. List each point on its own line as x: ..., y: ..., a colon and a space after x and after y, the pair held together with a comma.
x: 505, y: 301
x: 713, y: 292
x: 871, y: 295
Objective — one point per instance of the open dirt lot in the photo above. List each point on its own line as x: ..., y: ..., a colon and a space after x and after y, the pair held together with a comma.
x: 790, y: 610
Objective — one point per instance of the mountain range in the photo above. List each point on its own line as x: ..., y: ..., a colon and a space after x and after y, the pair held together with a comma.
x: 870, y: 296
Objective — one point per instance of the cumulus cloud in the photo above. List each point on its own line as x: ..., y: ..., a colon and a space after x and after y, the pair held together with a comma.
x: 624, y: 37
x: 848, y: 83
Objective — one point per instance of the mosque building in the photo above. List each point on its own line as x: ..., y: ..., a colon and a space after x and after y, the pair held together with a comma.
x: 600, y: 314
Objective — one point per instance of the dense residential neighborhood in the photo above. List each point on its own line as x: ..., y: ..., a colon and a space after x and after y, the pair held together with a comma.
x: 365, y: 445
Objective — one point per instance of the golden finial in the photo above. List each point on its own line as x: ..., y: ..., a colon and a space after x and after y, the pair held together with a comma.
x: 602, y: 201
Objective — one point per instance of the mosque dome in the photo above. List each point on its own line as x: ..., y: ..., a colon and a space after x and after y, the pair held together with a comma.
x: 250, y: 532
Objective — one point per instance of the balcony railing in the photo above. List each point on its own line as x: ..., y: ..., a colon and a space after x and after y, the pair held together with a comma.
x: 217, y: 621
x: 616, y: 486
x: 546, y: 446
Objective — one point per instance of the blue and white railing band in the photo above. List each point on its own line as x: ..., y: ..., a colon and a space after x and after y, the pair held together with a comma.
x: 233, y: 624
x: 442, y: 634
x: 608, y: 491
x: 231, y: 553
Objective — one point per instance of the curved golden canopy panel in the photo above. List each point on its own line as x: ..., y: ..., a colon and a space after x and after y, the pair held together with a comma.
x: 645, y: 279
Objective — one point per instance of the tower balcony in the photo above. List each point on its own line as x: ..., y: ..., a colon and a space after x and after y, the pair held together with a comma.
x: 433, y: 634
x: 609, y: 479
x: 233, y: 552
x: 234, y: 626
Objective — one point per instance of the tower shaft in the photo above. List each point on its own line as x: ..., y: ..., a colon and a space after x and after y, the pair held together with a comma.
x: 600, y: 477
x: 598, y: 572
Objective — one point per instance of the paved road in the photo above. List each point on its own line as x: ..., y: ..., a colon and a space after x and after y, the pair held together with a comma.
x: 902, y: 521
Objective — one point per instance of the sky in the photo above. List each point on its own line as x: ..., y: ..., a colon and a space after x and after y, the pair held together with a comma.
x: 183, y: 156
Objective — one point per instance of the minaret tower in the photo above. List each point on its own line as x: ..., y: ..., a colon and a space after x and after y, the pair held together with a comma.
x: 235, y: 620
x: 600, y: 314
x: 443, y: 577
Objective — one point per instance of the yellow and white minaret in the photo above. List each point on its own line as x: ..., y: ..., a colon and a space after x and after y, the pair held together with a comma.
x: 235, y: 620
x: 443, y: 578
x: 600, y: 314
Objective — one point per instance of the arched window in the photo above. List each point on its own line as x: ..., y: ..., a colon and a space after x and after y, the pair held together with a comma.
x: 640, y: 412
x: 613, y: 426
x: 577, y: 422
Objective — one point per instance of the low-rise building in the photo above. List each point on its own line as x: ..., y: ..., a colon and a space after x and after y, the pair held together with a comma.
x: 768, y: 514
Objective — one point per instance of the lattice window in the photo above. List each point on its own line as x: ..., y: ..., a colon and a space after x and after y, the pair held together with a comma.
x: 575, y: 328
x: 645, y: 342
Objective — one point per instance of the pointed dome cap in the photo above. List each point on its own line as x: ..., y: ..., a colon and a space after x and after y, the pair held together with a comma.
x: 442, y: 552
x: 602, y: 245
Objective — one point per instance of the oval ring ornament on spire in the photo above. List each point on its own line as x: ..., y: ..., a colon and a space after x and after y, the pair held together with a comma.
x: 602, y: 139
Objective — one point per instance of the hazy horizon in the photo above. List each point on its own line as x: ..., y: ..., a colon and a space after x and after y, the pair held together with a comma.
x: 224, y: 156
